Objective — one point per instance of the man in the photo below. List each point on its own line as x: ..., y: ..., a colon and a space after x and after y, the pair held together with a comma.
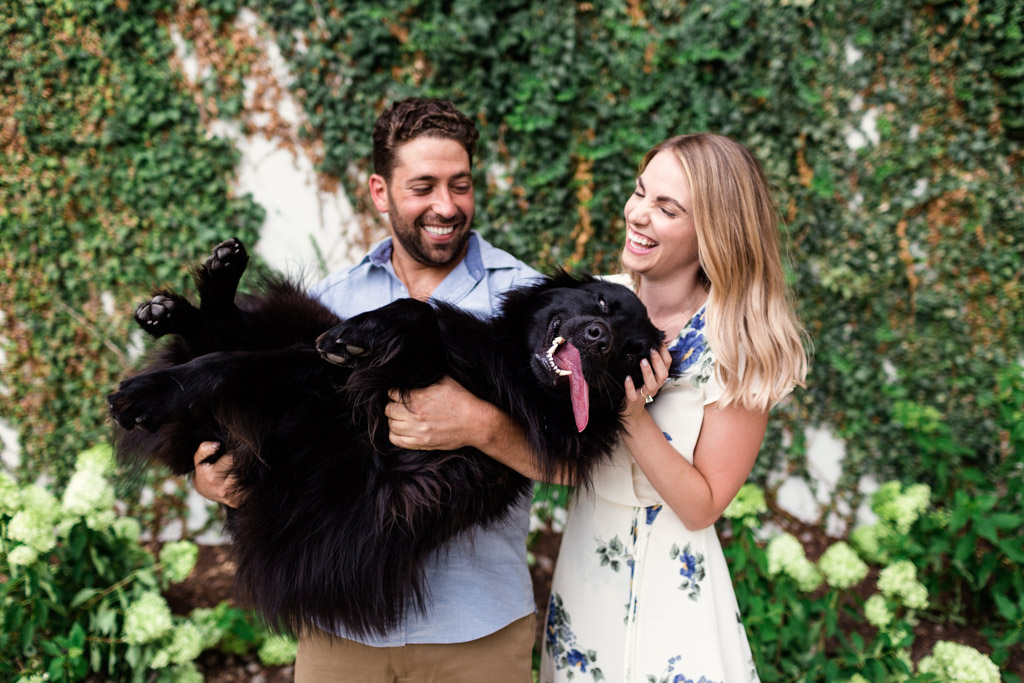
x: 479, y: 622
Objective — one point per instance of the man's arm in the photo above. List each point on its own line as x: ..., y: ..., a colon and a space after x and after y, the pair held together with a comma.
x: 446, y: 416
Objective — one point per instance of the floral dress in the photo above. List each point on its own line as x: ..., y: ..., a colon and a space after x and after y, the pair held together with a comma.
x: 636, y: 596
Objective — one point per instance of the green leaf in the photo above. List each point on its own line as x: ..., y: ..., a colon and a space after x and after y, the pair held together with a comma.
x: 77, y: 636
x: 83, y: 596
x: 56, y: 670
x: 1006, y: 607
x: 1006, y: 520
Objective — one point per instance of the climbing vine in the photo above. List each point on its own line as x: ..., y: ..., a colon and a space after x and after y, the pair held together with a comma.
x: 109, y: 185
x: 892, y: 130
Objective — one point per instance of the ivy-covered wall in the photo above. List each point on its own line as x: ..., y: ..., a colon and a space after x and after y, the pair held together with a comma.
x: 893, y: 131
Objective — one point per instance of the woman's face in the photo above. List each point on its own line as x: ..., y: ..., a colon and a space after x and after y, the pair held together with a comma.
x: 661, y: 240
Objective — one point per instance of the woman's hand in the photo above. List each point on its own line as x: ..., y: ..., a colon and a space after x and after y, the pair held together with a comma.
x: 213, y: 480
x: 655, y: 372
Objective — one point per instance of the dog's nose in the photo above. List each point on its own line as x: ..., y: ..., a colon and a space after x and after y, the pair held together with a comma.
x: 597, y: 336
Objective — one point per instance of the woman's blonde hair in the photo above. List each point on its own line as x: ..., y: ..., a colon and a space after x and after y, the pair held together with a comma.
x: 752, y: 329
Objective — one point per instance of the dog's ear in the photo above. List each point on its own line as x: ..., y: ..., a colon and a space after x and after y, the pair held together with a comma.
x: 563, y: 278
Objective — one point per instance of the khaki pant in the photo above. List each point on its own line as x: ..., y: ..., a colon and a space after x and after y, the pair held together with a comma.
x: 502, y: 657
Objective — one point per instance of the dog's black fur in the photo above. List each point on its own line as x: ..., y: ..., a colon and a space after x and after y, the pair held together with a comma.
x: 337, y: 522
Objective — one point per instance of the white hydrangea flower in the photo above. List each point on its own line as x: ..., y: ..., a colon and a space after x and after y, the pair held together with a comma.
x: 34, y: 528
x: 918, y: 496
x: 841, y: 566
x: 88, y: 491
x: 205, y: 619
x: 185, y: 645
x: 179, y: 559
x: 786, y: 554
x: 868, y: 540
x: 22, y: 556
x: 278, y: 650
x: 147, y: 619
x: 99, y: 459
x: 857, y: 678
x: 806, y: 576
x: 899, y: 581
x: 100, y: 519
x: 10, y: 494
x: 876, y: 611
x: 901, y: 508
x: 127, y: 528
x: 955, y: 662
x: 782, y: 550
x: 34, y: 497
x: 747, y: 505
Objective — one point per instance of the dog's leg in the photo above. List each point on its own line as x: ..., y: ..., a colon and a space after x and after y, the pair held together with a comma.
x: 244, y: 379
x: 399, y: 343
x: 217, y: 279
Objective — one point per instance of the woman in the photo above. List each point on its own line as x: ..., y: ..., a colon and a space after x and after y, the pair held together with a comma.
x: 641, y: 589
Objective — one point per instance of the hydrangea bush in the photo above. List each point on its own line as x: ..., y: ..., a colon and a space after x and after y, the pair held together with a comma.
x: 809, y: 620
x: 80, y: 598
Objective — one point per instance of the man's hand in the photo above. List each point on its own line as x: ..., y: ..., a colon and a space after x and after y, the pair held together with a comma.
x: 442, y: 417
x: 212, y: 479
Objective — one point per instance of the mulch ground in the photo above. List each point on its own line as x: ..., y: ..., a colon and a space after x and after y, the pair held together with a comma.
x: 210, y: 583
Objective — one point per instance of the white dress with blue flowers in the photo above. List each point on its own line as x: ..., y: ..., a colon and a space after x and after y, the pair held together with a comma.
x: 636, y: 596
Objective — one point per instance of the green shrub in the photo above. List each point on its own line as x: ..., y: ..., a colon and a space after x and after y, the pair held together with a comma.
x: 811, y: 620
x: 80, y: 596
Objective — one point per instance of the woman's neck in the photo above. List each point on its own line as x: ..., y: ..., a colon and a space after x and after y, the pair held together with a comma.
x: 671, y: 303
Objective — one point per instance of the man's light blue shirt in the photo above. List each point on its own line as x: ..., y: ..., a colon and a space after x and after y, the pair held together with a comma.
x: 480, y: 582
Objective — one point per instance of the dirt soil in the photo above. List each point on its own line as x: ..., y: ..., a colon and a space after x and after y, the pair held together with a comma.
x: 210, y: 583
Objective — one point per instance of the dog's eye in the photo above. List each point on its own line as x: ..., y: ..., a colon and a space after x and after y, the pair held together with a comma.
x: 602, y: 304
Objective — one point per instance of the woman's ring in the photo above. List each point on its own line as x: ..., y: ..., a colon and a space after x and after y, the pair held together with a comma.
x: 647, y: 399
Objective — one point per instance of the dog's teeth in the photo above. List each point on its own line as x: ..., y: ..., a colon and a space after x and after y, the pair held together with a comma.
x: 558, y: 341
x: 355, y: 350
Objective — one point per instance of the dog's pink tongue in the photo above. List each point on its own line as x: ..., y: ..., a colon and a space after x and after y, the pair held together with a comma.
x: 568, y: 358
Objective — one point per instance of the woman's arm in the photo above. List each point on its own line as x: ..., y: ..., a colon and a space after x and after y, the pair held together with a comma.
x: 728, y: 444
x: 446, y: 416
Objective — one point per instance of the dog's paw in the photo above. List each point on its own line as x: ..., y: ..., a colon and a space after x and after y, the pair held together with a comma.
x: 139, y: 402
x: 400, y: 328
x: 345, y: 345
x: 229, y: 259
x: 158, y: 316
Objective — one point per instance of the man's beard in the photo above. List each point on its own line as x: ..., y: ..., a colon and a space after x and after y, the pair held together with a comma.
x: 419, y: 247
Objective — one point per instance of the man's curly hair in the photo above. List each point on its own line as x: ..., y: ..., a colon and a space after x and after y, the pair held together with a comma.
x: 415, y: 117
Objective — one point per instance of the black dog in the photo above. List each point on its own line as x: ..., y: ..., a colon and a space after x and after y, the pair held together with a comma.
x: 337, y: 522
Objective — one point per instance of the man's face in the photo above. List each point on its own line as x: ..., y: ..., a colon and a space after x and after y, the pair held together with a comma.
x: 429, y: 200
